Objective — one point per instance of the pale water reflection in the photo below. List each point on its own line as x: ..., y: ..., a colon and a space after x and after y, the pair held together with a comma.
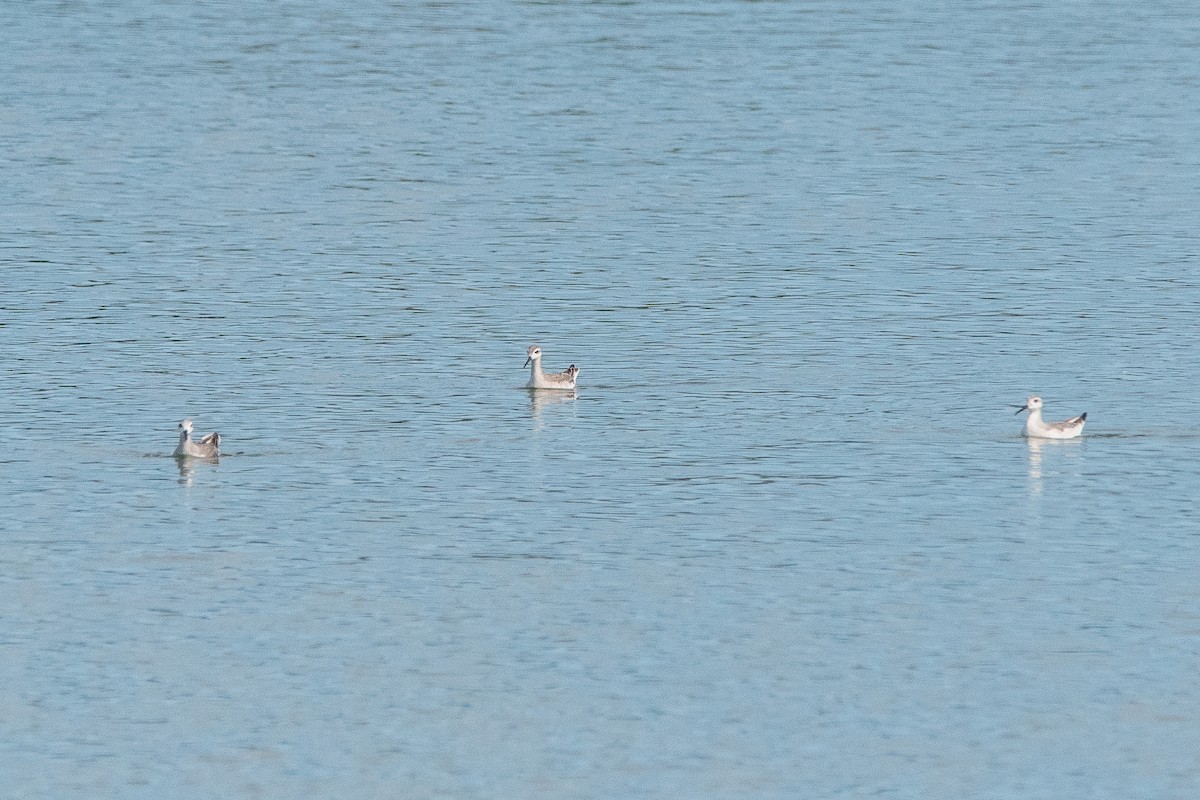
x: 1062, y: 455
x: 187, y: 466
x: 1035, y: 446
x: 541, y: 399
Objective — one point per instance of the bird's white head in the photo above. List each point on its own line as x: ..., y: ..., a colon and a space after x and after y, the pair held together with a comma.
x: 186, y: 427
x: 535, y: 354
x: 1032, y: 404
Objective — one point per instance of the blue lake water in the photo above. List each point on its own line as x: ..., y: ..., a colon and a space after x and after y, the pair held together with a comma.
x: 785, y: 541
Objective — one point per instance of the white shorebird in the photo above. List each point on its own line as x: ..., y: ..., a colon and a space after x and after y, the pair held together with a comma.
x: 553, y: 380
x: 204, y: 448
x: 1034, y: 426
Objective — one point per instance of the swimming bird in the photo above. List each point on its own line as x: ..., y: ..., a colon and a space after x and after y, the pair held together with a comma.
x: 553, y: 380
x: 1034, y: 426
x: 205, y: 448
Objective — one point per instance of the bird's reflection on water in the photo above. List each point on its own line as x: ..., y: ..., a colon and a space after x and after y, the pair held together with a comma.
x: 542, y: 399
x: 187, y: 467
x: 1041, y: 448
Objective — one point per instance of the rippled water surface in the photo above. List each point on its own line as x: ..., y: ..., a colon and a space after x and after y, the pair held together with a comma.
x: 784, y: 541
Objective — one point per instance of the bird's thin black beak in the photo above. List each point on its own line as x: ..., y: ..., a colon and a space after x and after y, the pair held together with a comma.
x: 527, y: 362
x: 1022, y: 408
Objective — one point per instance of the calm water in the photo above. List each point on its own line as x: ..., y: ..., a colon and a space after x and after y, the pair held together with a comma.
x: 784, y: 542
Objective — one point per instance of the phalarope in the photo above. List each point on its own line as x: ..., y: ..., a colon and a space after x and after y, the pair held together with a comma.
x: 205, y: 448
x: 553, y: 380
x: 1034, y: 426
